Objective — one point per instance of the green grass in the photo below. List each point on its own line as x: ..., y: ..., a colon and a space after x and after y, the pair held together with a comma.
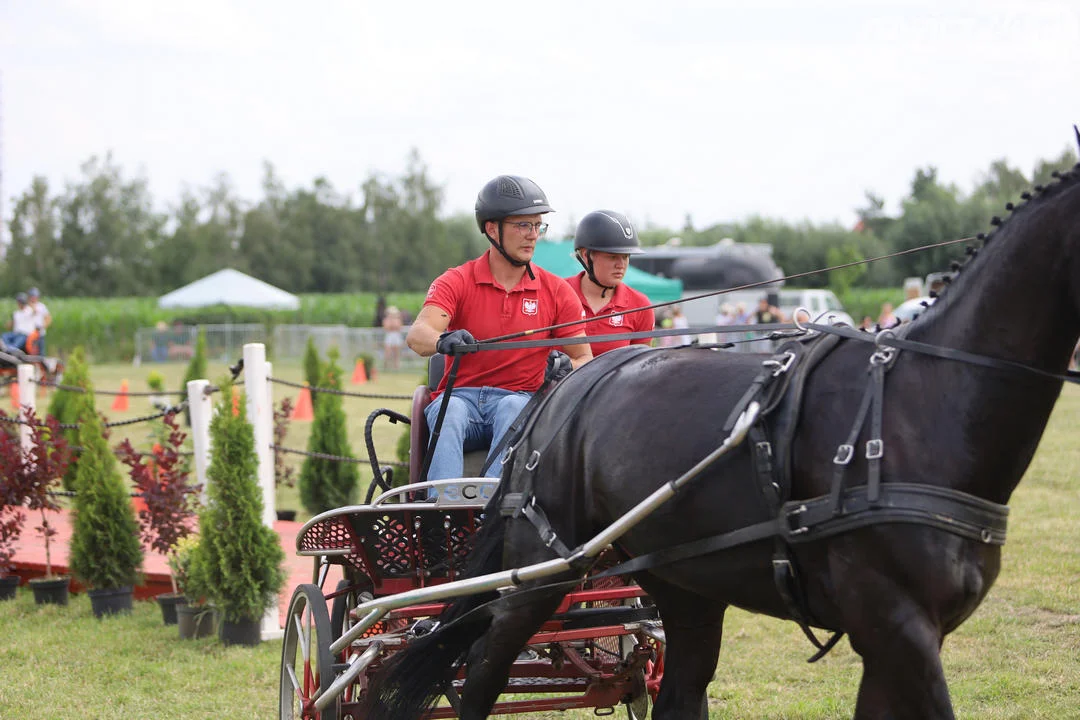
x: 1017, y: 657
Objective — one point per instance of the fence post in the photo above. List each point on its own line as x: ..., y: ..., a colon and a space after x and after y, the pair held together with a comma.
x: 27, y: 402
x: 260, y: 413
x: 202, y: 408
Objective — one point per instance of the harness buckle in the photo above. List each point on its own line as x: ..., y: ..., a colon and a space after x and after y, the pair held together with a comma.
x: 844, y: 453
x: 534, y: 460
x: 764, y: 449
x: 794, y: 513
x: 875, y: 449
x: 506, y: 454
x: 780, y: 364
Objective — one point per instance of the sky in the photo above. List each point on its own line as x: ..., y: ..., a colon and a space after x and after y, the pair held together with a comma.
x: 714, y: 110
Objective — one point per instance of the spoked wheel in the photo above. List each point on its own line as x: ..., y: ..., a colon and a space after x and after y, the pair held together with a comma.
x: 306, y: 663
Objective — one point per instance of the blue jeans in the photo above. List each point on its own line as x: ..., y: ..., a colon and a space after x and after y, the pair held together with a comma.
x: 476, y: 417
x: 15, y: 340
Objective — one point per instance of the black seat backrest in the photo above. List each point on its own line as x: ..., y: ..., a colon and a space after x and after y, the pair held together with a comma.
x: 435, y: 368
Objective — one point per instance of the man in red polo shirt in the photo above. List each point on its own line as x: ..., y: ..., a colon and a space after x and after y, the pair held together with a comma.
x: 496, y: 294
x: 603, y: 244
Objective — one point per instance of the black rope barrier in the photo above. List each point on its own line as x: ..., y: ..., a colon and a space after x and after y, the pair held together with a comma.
x: 332, y: 391
x: 327, y: 456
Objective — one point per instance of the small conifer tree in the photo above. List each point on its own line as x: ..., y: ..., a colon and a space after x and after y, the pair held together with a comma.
x: 328, y: 484
x: 105, y: 552
x: 313, y: 369
x: 64, y: 408
x: 196, y: 369
x: 238, y: 558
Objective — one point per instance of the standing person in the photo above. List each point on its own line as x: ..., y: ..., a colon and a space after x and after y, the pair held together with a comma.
x: 767, y: 314
x: 393, y: 340
x: 603, y: 244
x: 496, y: 294
x: 380, y: 312
x: 887, y: 319
x: 678, y: 320
x: 42, y: 318
x: 21, y: 324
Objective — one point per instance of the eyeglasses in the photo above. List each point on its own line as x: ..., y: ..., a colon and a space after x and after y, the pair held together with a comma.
x: 525, y: 227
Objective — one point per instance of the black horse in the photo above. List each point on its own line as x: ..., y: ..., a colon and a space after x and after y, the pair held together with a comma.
x: 610, y: 437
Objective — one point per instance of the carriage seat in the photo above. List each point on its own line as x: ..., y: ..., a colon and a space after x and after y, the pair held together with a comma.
x: 419, y: 435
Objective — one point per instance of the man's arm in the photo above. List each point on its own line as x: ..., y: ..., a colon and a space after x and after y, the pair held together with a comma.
x: 426, y: 329
x: 579, y: 354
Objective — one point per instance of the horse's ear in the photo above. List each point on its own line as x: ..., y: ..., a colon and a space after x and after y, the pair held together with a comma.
x: 1077, y: 130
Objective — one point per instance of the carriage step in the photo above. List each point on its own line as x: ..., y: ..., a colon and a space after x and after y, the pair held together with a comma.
x: 599, y: 616
x: 536, y: 684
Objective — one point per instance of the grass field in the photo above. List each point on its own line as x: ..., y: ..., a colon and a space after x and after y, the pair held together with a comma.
x: 1017, y: 657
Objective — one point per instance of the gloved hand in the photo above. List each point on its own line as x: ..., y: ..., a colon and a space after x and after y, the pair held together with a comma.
x: 450, y: 343
x: 558, y: 366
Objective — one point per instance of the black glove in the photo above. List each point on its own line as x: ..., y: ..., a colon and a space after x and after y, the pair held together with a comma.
x: 450, y: 343
x: 558, y: 366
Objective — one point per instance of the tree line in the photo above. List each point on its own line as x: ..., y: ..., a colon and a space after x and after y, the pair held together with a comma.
x: 102, y: 236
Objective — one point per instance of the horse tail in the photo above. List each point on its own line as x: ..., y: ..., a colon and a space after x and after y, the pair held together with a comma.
x: 412, y: 680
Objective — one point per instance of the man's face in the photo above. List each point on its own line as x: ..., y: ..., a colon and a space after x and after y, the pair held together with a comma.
x: 519, y: 242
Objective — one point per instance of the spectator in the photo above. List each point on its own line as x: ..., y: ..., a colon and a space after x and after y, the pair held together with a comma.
x: 380, y: 312
x: 496, y: 294
x: 393, y: 339
x: 867, y: 323
x: 887, y: 319
x: 678, y: 320
x: 21, y: 324
x: 42, y: 318
x: 767, y: 314
x: 603, y: 244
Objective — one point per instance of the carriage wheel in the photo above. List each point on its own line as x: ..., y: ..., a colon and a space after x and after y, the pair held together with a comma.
x: 306, y: 663
x: 340, y: 621
x: 638, y: 708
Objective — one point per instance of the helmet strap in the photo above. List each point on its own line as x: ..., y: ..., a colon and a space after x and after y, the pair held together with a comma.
x: 502, y: 251
x: 592, y: 276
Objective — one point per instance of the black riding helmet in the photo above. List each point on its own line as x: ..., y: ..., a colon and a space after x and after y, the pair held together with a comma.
x: 606, y: 231
x: 509, y: 195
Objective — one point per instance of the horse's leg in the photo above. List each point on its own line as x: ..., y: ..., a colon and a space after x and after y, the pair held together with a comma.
x: 902, y: 673
x: 491, y: 657
x: 693, y: 627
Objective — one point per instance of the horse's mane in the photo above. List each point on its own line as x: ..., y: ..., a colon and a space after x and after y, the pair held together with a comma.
x: 1037, y: 195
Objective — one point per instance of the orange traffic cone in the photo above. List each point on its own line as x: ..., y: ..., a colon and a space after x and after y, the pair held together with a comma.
x: 235, y: 401
x: 14, y: 395
x: 121, y: 401
x: 303, y: 409
x: 359, y: 374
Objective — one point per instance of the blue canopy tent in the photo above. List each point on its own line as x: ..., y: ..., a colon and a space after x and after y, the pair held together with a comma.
x: 558, y: 257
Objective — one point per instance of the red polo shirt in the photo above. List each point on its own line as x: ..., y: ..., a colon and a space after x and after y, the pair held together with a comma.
x: 476, y: 302
x: 623, y: 298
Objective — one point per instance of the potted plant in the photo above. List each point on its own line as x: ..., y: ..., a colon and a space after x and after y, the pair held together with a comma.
x: 238, y: 557
x: 194, y: 617
x: 169, y: 504
x: 284, y: 474
x: 105, y: 552
x: 25, y: 481
x: 156, y: 382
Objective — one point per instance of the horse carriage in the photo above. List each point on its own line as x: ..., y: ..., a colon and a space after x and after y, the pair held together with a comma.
x: 602, y: 647
x: 48, y: 369
x: 851, y: 482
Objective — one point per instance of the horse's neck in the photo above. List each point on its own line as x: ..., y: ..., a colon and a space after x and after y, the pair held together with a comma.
x: 1016, y: 301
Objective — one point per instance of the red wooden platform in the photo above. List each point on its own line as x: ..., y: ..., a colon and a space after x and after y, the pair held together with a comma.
x: 30, y: 560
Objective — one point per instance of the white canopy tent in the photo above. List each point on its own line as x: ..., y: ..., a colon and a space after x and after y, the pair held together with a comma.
x: 230, y: 287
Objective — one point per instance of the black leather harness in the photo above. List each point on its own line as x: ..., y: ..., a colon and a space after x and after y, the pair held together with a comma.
x: 778, y: 389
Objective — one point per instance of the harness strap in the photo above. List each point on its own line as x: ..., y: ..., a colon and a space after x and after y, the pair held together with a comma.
x: 875, y: 446
x: 515, y: 430
x: 539, y: 519
x: 846, y: 451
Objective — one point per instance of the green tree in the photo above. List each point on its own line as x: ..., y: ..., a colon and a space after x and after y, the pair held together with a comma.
x: 65, y: 407
x: 326, y: 484
x: 312, y: 369
x: 105, y: 552
x: 32, y: 256
x: 239, y: 559
x: 108, y: 234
